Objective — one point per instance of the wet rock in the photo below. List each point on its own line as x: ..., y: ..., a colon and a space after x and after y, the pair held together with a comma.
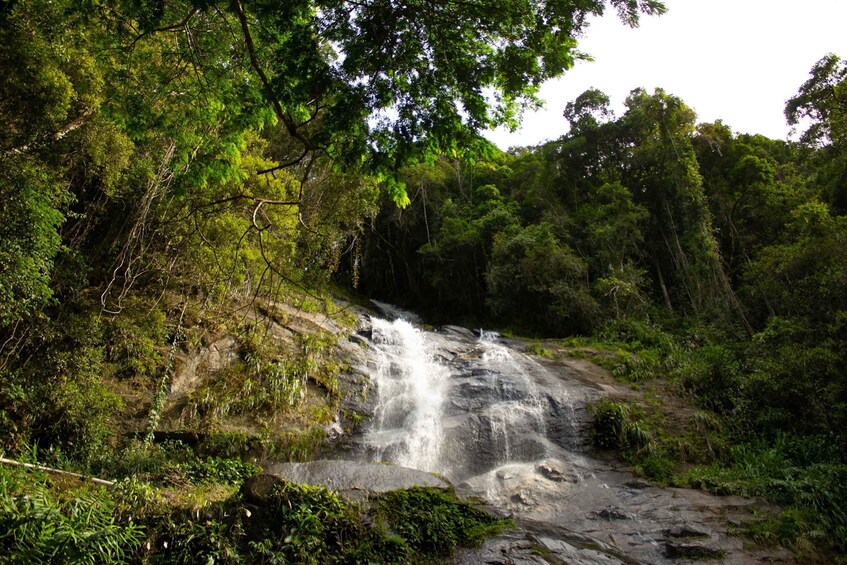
x: 686, y: 532
x: 562, y: 427
x: 525, y: 547
x: 637, y: 484
x: 679, y: 550
x: 567, y: 546
x: 554, y: 473
x: 360, y: 340
x: 611, y: 513
x: 507, y: 549
x: 513, y: 430
x: 394, y: 313
x: 457, y: 331
x: 524, y: 498
x: 565, y: 552
x: 339, y: 475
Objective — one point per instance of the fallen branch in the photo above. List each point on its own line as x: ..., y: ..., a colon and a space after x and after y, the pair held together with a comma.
x: 94, y: 480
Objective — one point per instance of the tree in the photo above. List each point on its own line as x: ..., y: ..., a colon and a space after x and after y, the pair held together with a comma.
x: 389, y: 80
x: 142, y: 110
x: 537, y: 283
x: 752, y: 183
x: 822, y: 101
x: 664, y: 175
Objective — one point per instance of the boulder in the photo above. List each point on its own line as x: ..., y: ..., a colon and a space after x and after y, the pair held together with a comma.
x: 344, y: 476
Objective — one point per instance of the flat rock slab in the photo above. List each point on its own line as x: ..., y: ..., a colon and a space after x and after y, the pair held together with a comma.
x: 342, y: 476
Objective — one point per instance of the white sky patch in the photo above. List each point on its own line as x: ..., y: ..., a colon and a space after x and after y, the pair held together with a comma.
x: 735, y: 60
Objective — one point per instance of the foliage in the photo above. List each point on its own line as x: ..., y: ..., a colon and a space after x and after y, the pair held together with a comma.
x: 134, y: 521
x: 215, y: 470
x: 30, y: 202
x: 268, y: 380
x: 614, y: 428
x: 60, y: 399
x: 713, y: 376
x: 307, y: 524
x: 176, y: 155
x: 433, y: 521
x: 37, y: 526
x: 535, y: 281
x: 801, y: 474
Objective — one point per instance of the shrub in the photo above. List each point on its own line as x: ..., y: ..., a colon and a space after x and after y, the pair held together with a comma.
x: 433, y: 521
x: 608, y: 430
x: 785, y: 472
x: 35, y: 527
x: 713, y: 376
x: 305, y: 524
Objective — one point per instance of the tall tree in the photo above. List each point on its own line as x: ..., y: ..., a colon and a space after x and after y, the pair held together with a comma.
x: 664, y: 175
x: 144, y: 109
x: 822, y: 103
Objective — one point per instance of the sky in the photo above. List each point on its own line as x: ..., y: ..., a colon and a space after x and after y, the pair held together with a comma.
x: 735, y: 60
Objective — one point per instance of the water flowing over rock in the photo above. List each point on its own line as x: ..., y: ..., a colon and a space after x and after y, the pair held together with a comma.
x: 408, y: 424
x: 502, y: 426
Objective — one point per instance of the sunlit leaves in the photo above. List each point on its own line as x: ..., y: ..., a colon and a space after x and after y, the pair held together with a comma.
x: 29, y: 205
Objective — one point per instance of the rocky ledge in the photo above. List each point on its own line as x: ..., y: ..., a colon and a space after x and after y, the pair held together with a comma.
x: 350, y: 478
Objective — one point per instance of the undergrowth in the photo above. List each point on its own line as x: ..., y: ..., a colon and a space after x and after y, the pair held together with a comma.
x: 728, y: 446
x: 433, y: 522
x: 804, y: 475
x: 208, y: 520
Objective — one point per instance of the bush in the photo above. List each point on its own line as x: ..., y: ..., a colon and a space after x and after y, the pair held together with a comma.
x: 802, y: 474
x: 713, y: 377
x: 614, y: 428
x: 608, y: 430
x: 36, y: 527
x: 217, y: 470
x: 538, y: 283
x: 307, y: 524
x: 433, y: 521
x: 59, y: 400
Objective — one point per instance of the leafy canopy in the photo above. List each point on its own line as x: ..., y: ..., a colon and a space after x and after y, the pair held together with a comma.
x: 386, y: 82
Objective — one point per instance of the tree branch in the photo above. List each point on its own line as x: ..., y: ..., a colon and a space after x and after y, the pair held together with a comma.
x: 285, y: 165
x: 94, y: 480
x: 62, y: 132
x: 283, y: 116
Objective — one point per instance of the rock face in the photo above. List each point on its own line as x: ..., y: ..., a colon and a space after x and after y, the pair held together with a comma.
x: 348, y: 477
x: 544, y: 544
x: 459, y: 405
x: 504, y: 427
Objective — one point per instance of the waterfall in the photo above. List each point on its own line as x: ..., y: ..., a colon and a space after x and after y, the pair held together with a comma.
x: 411, y: 389
x: 517, y: 403
x: 509, y: 428
x: 448, y: 403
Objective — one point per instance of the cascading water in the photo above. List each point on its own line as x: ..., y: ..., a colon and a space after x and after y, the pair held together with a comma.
x: 500, y: 425
x: 459, y: 413
x: 411, y: 388
x: 516, y: 403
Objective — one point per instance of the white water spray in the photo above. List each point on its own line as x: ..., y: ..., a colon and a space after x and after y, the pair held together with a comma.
x: 411, y: 389
x: 520, y: 406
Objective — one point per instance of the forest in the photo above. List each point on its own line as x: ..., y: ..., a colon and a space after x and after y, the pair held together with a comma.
x: 166, y: 164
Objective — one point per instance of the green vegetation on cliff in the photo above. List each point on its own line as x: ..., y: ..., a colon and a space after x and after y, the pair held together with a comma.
x: 204, y: 518
x: 706, y: 268
x: 179, y: 179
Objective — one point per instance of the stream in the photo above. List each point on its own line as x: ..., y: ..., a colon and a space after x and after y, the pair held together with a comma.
x: 504, y: 427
